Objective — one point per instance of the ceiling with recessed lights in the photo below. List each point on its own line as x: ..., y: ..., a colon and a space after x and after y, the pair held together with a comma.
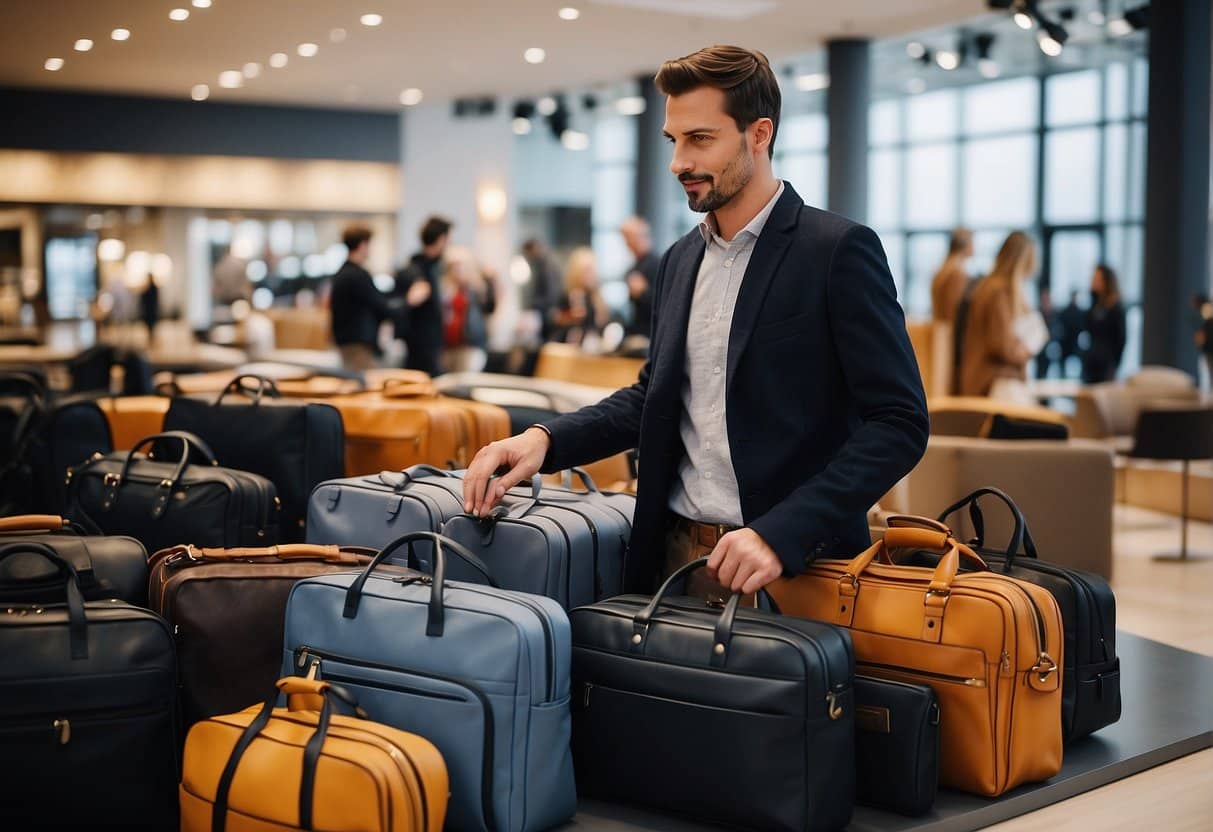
x: 385, y: 53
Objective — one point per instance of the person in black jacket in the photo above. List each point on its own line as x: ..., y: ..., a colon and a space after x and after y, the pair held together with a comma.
x: 640, y: 277
x: 781, y: 398
x: 356, y: 305
x: 418, y: 284
x: 1105, y: 327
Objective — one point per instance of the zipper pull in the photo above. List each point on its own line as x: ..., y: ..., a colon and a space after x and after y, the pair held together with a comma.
x: 64, y: 727
x: 301, y: 657
x: 832, y: 707
x: 585, y: 694
x: 1006, y: 662
x: 313, y: 671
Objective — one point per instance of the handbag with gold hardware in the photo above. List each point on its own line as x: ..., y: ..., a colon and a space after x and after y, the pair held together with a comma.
x: 296, y: 768
x: 990, y: 645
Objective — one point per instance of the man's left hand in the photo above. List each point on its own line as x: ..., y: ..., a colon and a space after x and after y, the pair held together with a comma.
x: 742, y: 561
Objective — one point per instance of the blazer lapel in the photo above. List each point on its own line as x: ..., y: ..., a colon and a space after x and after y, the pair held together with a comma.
x: 676, y: 315
x: 774, y: 240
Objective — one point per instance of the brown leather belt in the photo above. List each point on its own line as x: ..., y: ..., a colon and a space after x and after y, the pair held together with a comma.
x: 705, y: 534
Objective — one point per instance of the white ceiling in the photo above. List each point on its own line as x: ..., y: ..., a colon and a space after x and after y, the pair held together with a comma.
x: 447, y: 48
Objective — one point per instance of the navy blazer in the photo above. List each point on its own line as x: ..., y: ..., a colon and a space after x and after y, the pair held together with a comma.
x: 824, y: 403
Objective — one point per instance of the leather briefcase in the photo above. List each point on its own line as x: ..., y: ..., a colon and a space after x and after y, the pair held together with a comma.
x: 161, y: 504
x: 739, y: 717
x: 1090, y: 697
x: 89, y: 732
x: 226, y: 608
x: 108, y: 567
x: 896, y: 745
x: 988, y: 644
x: 296, y: 768
x: 294, y: 444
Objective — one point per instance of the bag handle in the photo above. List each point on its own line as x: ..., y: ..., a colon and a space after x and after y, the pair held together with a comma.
x: 342, y: 555
x: 399, y: 388
x: 406, y: 377
x: 723, y: 632
x: 265, y: 386
x: 188, y: 442
x: 409, y: 474
x: 77, y: 623
x: 311, y: 753
x: 1021, y: 535
x: 587, y: 482
x: 437, y: 614
x: 34, y: 523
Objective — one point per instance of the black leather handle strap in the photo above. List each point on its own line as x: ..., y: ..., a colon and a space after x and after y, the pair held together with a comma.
x: 311, y: 757
x: 77, y: 622
x: 434, y: 625
x: 219, y: 810
x: 1021, y: 536
x: 265, y: 386
x: 723, y: 632
x: 188, y: 441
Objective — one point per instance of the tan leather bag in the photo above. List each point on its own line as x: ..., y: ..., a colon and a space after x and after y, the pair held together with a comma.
x: 133, y: 417
x: 989, y: 645
x: 268, y: 768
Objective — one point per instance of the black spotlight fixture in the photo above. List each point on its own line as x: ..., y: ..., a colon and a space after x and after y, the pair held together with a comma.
x: 1054, y: 30
x: 558, y: 121
x: 524, y: 108
x: 983, y: 42
x: 1138, y: 18
x: 589, y: 102
x: 999, y: 5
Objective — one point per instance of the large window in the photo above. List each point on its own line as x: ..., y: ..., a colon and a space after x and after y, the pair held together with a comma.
x: 614, y: 200
x: 1061, y: 157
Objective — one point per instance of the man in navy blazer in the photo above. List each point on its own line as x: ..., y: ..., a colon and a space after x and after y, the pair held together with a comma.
x: 781, y: 397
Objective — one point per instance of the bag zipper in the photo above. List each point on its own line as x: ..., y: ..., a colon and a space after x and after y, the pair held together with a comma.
x: 967, y: 681
x: 304, y: 653
x: 549, y: 638
x: 589, y: 686
x: 62, y: 726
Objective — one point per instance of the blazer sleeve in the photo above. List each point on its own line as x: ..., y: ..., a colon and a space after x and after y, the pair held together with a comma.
x: 886, y: 394
x: 606, y: 428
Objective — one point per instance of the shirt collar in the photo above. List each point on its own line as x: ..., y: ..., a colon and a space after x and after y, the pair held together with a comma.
x: 709, y: 230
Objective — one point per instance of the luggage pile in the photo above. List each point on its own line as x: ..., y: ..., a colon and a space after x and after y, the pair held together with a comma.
x: 236, y: 630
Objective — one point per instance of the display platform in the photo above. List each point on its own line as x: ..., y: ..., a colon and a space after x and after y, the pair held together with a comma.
x: 1167, y: 712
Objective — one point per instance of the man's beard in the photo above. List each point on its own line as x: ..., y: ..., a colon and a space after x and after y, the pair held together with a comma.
x: 735, y: 176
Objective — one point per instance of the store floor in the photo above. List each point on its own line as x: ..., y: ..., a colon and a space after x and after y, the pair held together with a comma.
x: 1171, y: 603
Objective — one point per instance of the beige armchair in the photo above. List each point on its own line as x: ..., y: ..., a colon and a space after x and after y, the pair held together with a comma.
x: 1065, y: 490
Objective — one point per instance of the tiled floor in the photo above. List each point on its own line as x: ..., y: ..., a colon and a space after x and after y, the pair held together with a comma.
x: 1171, y: 603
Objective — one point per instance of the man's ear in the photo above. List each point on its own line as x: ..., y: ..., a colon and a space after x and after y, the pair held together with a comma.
x: 761, y: 131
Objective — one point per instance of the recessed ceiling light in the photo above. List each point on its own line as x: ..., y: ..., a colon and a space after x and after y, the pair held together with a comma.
x: 336, y: 35
x: 947, y: 60
x: 410, y: 97
x: 230, y: 79
x: 1023, y: 20
x: 121, y: 34
x: 200, y: 92
x: 83, y: 45
x: 201, y: 4
x: 278, y: 60
x: 1119, y: 27
x: 371, y: 19
x: 915, y: 50
x: 252, y: 69
x: 988, y: 67
x: 307, y: 50
x: 179, y: 15
x: 575, y: 140
x: 812, y: 82
x: 569, y: 13
x: 534, y: 55
x: 521, y: 126
x: 53, y: 64
x: 1050, y: 46
x: 630, y: 105
x: 546, y: 105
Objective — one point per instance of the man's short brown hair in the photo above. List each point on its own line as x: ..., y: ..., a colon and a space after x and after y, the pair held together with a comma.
x: 355, y: 235
x: 434, y: 229
x: 744, y: 76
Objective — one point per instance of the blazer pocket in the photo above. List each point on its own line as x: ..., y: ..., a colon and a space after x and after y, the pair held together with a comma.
x: 782, y: 329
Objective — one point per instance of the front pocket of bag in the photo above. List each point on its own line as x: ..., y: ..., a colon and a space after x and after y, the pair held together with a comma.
x: 691, y: 759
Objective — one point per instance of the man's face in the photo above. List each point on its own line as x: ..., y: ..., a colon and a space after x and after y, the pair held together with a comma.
x: 711, y: 156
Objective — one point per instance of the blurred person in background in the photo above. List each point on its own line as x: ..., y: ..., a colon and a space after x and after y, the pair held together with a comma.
x: 948, y: 286
x: 1106, y: 327
x: 1071, y: 322
x: 418, y: 284
x: 541, y: 293
x: 995, y: 352
x: 149, y: 306
x: 468, y: 299
x: 357, y: 305
x: 1204, y: 338
x: 581, y: 313
x: 642, y: 274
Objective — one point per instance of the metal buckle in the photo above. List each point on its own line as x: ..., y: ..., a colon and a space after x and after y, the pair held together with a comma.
x: 942, y: 593
x: 111, y: 479
x: 848, y: 576
x: 1043, y: 675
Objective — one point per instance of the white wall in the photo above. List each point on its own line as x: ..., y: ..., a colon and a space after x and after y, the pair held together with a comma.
x: 550, y: 174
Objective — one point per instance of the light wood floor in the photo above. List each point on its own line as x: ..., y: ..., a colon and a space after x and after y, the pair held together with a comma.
x: 1171, y: 603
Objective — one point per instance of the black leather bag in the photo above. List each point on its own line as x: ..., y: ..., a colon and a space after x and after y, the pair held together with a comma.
x: 738, y: 717
x: 896, y: 745
x: 1091, y: 672
x: 294, y: 444
x: 88, y: 726
x: 162, y: 504
x: 107, y: 567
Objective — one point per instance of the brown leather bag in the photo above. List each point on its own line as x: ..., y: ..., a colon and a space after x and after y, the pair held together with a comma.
x: 133, y: 417
x: 306, y: 767
x: 989, y: 645
x: 227, y: 607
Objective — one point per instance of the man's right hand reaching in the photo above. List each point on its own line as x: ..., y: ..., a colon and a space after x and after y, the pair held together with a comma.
x: 522, y: 454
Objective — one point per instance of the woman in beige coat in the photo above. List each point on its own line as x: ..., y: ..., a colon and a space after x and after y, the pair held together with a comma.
x: 991, y: 350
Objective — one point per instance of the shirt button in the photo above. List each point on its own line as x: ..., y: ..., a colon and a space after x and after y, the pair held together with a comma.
x: 716, y: 370
x: 728, y: 262
x: 708, y: 445
x: 707, y: 475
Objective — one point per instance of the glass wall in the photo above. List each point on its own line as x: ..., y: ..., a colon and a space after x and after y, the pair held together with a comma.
x: 1062, y: 157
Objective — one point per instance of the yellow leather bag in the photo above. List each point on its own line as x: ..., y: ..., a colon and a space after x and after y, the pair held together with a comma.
x: 305, y: 767
x: 988, y: 644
